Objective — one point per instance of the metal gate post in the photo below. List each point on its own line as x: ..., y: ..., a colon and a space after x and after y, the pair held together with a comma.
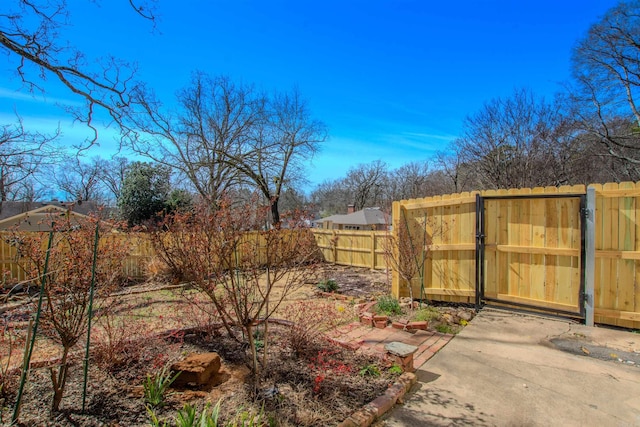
x: 589, y: 258
x: 479, y: 249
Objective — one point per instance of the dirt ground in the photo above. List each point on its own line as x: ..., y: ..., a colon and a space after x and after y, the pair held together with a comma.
x: 153, y: 324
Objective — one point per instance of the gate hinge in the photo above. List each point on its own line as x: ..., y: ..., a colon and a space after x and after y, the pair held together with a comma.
x: 586, y: 213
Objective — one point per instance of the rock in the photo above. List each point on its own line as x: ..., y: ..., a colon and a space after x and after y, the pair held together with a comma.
x: 449, y: 318
x: 196, y: 369
x: 465, y: 315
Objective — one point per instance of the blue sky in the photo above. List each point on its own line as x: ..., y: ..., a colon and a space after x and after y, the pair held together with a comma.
x: 393, y: 80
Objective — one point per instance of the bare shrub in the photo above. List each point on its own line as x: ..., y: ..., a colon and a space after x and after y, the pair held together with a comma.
x: 232, y: 256
x: 68, y: 280
x: 309, y: 321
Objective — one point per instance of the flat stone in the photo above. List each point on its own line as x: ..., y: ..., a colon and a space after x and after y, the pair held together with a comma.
x: 196, y: 369
x: 400, y: 349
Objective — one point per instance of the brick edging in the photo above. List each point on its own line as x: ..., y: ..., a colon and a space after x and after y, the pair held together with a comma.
x: 373, y: 410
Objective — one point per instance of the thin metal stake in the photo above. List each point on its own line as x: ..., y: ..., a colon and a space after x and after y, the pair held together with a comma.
x: 29, y: 348
x: 90, y: 315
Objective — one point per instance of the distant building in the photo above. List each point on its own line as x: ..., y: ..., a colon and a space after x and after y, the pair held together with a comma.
x: 36, y: 216
x: 365, y: 219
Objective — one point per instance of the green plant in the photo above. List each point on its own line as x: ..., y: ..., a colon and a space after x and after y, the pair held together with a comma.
x: 427, y: 313
x: 370, y: 370
x: 328, y: 285
x: 388, y: 305
x: 154, y: 420
x: 188, y: 416
x: 395, y: 369
x: 248, y: 419
x: 445, y: 329
x: 156, y: 386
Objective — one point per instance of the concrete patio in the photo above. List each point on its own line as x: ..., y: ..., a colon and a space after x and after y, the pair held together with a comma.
x: 511, y: 369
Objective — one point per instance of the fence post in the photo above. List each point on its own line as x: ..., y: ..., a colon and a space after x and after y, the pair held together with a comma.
x: 373, y: 249
x: 590, y: 256
x: 395, y: 278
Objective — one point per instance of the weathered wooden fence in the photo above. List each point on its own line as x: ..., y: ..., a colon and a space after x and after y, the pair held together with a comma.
x: 531, y: 243
x: 354, y: 248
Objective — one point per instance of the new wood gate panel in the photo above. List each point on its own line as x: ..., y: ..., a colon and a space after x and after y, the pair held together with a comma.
x: 532, y: 251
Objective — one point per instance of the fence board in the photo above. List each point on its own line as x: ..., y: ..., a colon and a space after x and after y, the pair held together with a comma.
x: 353, y: 247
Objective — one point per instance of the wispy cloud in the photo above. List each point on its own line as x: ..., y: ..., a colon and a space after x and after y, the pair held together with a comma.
x: 37, y: 98
x: 440, y: 137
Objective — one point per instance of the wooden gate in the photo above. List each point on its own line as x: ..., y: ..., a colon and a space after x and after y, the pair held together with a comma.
x: 530, y: 250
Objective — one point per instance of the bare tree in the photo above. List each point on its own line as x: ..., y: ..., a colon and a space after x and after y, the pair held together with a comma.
x: 30, y: 37
x: 606, y: 69
x: 513, y: 142
x: 365, y: 185
x: 81, y: 180
x: 460, y: 175
x: 112, y: 175
x: 273, y: 159
x: 214, y: 117
x: 367, y: 182
x: 225, y: 135
x: 22, y: 153
x: 409, y: 181
x: 331, y: 197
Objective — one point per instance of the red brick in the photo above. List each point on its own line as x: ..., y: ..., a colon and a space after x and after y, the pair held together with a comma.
x: 367, y: 306
x: 396, y: 391
x: 437, y: 346
x: 418, y: 325
x: 380, y: 324
x: 349, y: 422
x: 408, y: 379
x: 381, y: 404
x: 430, y: 341
x: 398, y: 325
x: 366, y: 319
x: 362, y: 418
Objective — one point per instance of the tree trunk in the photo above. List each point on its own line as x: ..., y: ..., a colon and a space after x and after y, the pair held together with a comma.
x: 275, y: 214
x: 58, y: 380
x: 254, y: 358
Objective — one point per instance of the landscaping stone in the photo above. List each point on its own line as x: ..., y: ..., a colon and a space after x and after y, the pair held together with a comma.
x: 196, y: 369
x: 465, y: 315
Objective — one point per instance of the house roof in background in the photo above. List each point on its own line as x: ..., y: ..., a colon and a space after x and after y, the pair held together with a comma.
x: 10, y: 208
x: 38, y: 218
x: 366, y: 216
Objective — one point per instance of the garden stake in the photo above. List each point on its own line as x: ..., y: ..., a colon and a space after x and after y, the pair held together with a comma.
x: 29, y: 348
x: 91, y: 289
